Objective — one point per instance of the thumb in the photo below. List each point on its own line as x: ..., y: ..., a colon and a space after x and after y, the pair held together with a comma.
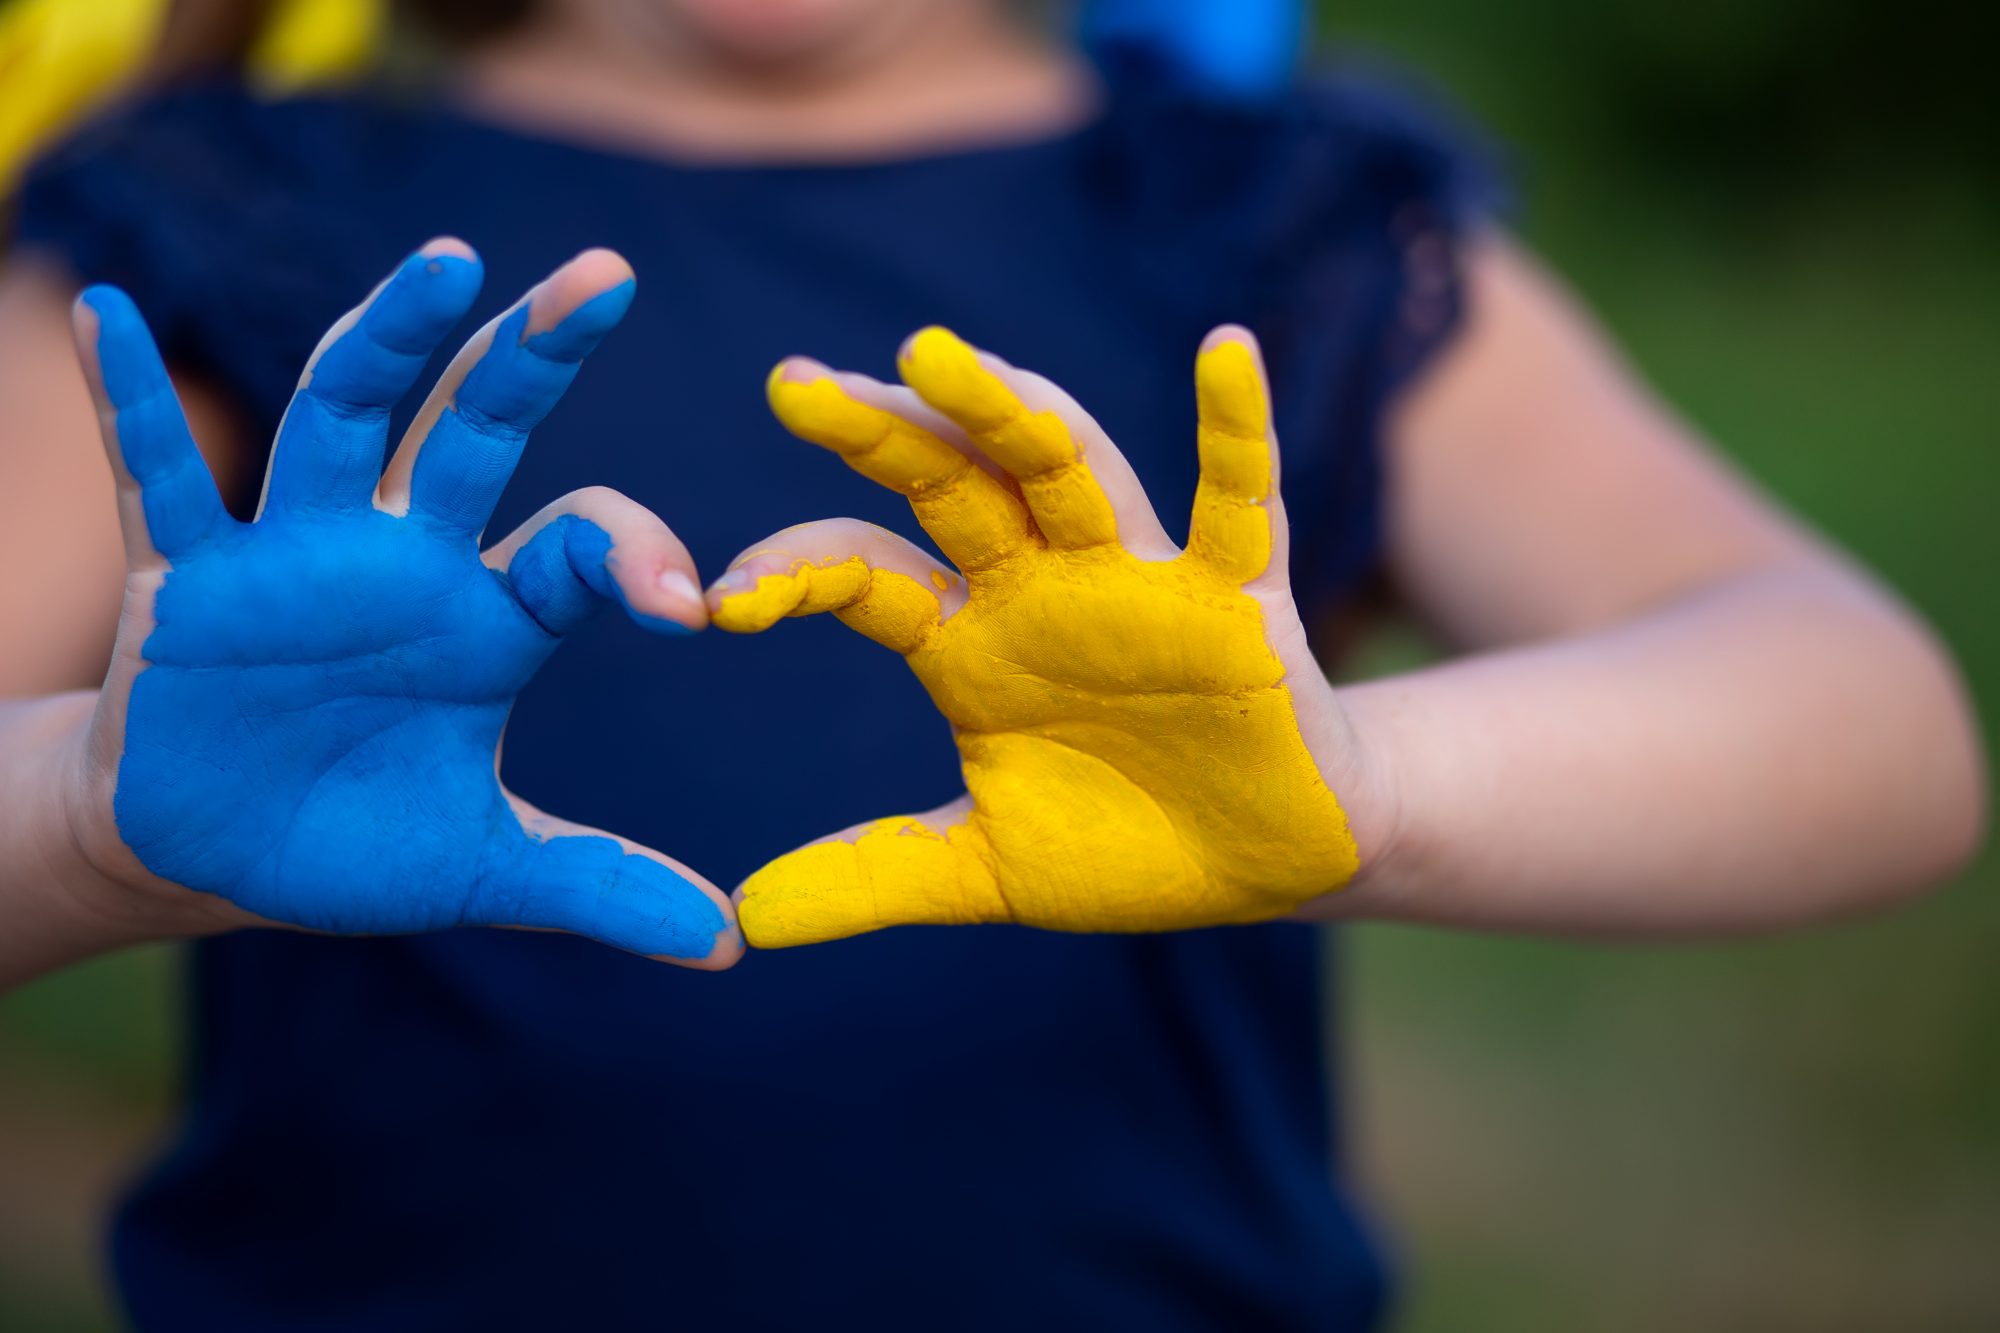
x: 564, y: 876
x: 893, y: 872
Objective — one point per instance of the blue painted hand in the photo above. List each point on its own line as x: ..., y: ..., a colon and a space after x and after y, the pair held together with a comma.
x: 304, y: 712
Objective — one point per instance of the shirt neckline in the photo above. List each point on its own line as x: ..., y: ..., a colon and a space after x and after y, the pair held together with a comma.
x: 447, y: 106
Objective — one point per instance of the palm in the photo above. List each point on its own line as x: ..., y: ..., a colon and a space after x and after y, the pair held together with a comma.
x: 312, y: 703
x: 1132, y: 756
x: 1064, y: 738
x: 327, y: 673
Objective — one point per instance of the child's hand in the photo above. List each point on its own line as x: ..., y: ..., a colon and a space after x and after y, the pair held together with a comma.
x: 304, y: 712
x: 1145, y: 738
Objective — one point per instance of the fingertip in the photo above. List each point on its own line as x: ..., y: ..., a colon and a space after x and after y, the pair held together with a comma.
x: 447, y: 247
x: 433, y: 290
x: 795, y: 370
x: 790, y: 380
x: 754, y: 596
x: 1230, y: 333
x: 117, y: 347
x: 773, y: 913
x: 949, y: 373
x: 655, y: 592
x: 101, y: 304
x: 731, y: 581
x: 812, y: 402
x: 597, y: 315
x: 682, y: 590
x: 702, y: 906
x: 671, y: 604
x: 580, y: 302
x: 84, y: 323
x: 601, y: 266
x: 1225, y: 363
x: 590, y: 883
x: 449, y: 269
x: 726, y: 951
x: 1229, y: 383
x: 933, y: 341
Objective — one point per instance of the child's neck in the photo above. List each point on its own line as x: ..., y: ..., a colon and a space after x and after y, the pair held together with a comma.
x: 964, y: 78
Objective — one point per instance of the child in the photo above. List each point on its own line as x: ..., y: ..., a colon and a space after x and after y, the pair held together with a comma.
x: 1682, y: 714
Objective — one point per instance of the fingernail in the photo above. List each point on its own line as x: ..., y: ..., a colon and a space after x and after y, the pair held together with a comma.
x: 445, y: 247
x: 676, y: 584
x: 798, y: 370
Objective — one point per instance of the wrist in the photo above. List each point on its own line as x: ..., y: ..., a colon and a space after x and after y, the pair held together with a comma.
x: 96, y: 894
x: 1369, y: 784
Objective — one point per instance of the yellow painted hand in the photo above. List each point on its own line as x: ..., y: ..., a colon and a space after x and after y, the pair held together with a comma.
x: 1124, y: 710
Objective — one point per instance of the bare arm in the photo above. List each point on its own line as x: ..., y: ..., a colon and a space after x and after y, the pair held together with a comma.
x: 1685, y: 713
x: 57, y: 906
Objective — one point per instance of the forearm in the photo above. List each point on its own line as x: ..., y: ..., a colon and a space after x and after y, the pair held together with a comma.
x: 56, y: 906
x: 1775, y: 747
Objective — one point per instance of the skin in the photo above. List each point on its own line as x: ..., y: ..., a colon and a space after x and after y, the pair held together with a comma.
x: 1679, y: 711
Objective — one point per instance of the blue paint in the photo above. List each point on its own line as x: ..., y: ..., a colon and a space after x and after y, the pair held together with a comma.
x: 473, y: 448
x: 329, y: 449
x: 313, y: 735
x: 564, y: 574
x: 178, y: 495
x: 1241, y: 48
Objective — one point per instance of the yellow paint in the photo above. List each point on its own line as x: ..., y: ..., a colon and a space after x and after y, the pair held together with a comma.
x: 890, y: 608
x: 312, y: 43
x: 1127, y: 738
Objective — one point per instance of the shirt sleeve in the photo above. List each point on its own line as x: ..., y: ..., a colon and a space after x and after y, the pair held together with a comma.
x: 1331, y: 220
x: 1359, y: 287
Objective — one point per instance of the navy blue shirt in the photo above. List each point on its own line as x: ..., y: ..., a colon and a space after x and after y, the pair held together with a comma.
x: 969, y: 1128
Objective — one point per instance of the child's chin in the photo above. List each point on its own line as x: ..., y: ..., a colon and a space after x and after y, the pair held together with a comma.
x: 773, y: 32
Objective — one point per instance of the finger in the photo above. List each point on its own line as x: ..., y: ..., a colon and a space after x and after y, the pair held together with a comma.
x: 935, y: 871
x: 331, y: 442
x: 565, y: 876
x: 1139, y: 527
x: 975, y: 520
x: 1239, y: 519
x: 874, y: 581
x: 596, y: 545
x: 459, y: 453
x: 1033, y: 443
x: 168, y: 503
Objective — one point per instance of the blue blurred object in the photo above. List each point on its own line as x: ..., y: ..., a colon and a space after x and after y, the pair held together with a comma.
x: 1244, y: 48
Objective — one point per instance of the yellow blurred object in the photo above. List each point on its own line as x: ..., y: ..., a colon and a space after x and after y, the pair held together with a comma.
x: 311, y: 43
x: 58, y: 58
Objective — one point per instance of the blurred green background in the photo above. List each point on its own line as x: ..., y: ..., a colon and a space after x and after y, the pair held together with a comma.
x: 1788, y: 212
